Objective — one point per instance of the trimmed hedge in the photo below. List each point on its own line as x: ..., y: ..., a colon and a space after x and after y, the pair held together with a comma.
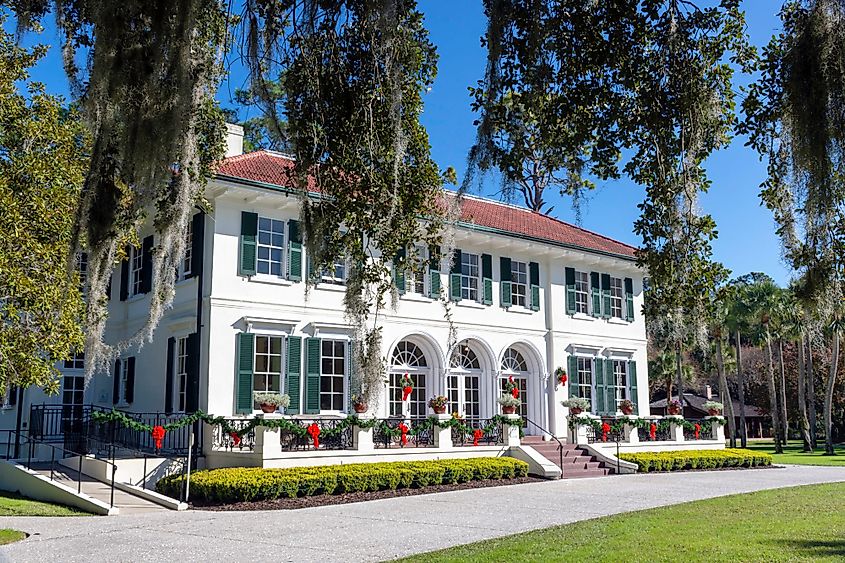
x: 239, y: 484
x: 697, y: 459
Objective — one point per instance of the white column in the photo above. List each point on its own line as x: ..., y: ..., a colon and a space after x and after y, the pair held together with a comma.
x: 362, y: 438
x: 676, y: 428
x: 510, y: 432
x: 717, y: 428
x: 268, y: 440
x: 630, y: 433
x: 442, y: 436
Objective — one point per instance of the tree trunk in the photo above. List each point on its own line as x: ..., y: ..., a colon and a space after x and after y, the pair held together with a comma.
x: 811, y: 394
x: 740, y: 378
x: 803, y: 422
x: 773, y: 395
x: 828, y: 396
x: 726, y: 393
x: 784, y: 416
x: 680, y: 375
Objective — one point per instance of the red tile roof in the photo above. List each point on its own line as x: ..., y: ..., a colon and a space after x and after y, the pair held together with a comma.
x: 275, y: 169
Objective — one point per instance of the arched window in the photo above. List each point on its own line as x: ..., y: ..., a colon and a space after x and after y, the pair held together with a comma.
x: 407, y: 358
x: 514, y: 365
x: 463, y: 384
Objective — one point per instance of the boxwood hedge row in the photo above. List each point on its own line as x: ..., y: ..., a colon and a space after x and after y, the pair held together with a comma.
x: 697, y: 459
x: 239, y: 484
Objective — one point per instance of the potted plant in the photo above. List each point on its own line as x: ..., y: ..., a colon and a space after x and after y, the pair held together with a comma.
x: 270, y: 401
x: 509, y: 403
x: 576, y: 405
x: 438, y: 404
x: 674, y: 407
x: 714, y: 408
x: 359, y: 405
x: 560, y: 376
x: 627, y: 407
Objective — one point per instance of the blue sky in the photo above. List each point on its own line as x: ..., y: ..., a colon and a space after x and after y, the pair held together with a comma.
x: 746, y: 230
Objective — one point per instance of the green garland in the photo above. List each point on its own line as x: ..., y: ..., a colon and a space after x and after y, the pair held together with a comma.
x: 287, y: 425
x: 640, y: 424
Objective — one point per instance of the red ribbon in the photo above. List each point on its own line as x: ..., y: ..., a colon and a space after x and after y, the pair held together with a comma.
x: 403, y: 428
x: 563, y: 378
x: 406, y: 392
x: 652, y: 431
x: 514, y: 388
x: 158, y: 435
x: 697, y: 430
x: 476, y: 436
x: 236, y: 440
x: 605, y: 428
x: 314, y: 431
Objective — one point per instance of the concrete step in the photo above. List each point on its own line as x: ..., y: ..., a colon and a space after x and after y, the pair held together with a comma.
x: 582, y: 473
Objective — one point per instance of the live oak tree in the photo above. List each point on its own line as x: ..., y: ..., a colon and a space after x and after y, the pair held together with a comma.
x: 42, y: 166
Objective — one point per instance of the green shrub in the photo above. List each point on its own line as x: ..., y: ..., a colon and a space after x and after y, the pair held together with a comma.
x: 697, y: 459
x: 239, y: 484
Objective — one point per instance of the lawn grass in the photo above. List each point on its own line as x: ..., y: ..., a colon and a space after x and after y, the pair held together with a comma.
x: 16, y: 505
x: 9, y: 536
x: 792, y: 454
x: 795, y: 524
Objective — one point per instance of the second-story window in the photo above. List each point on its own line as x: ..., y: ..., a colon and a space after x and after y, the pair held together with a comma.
x: 582, y: 292
x: 519, y: 283
x: 271, y: 247
x: 469, y: 276
x: 75, y: 361
x: 336, y: 274
x: 416, y: 275
x: 617, y: 296
x: 187, y: 262
x: 136, y: 267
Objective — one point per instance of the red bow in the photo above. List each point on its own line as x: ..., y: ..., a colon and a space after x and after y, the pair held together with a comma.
x: 314, y: 431
x: 406, y: 392
x: 514, y: 388
x: 563, y: 378
x: 236, y: 440
x: 652, y: 431
x: 403, y: 428
x: 605, y: 428
x: 697, y: 430
x: 476, y: 436
x: 158, y: 435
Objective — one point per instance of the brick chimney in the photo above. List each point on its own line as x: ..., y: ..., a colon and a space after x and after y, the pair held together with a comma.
x: 708, y: 392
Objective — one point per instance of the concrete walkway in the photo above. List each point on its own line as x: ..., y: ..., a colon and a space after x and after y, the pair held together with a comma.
x: 379, y: 530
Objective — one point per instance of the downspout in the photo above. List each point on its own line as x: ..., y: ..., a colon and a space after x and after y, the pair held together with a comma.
x: 198, y: 442
x: 18, y: 419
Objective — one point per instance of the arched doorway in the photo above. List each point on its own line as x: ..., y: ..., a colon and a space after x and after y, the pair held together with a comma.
x: 463, y: 383
x: 514, y: 366
x: 408, y: 358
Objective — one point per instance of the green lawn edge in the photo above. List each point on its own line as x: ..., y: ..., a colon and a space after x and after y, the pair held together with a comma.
x: 8, y: 536
x: 805, y: 523
x: 12, y: 504
x: 793, y: 454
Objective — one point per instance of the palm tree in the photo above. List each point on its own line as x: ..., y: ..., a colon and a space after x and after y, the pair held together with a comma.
x: 781, y: 312
x: 736, y: 318
x: 835, y: 328
x: 661, y: 370
x: 795, y: 329
x: 763, y: 297
x: 718, y: 332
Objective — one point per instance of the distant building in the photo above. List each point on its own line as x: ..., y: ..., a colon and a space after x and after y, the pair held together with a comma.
x: 756, y: 420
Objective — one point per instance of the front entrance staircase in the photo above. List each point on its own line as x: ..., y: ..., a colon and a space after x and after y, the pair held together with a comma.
x: 576, y: 462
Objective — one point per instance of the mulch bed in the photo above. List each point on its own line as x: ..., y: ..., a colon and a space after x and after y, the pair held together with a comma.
x: 346, y: 498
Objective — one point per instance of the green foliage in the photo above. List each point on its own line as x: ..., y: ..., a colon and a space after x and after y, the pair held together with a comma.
x: 12, y: 504
x: 242, y: 484
x: 697, y: 459
x: 10, y: 536
x: 42, y: 164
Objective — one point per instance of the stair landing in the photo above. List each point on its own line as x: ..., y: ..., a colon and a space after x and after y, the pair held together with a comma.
x: 576, y: 462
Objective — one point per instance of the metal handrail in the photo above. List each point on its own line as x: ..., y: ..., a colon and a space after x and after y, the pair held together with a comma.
x: 53, y: 449
x: 111, y: 446
x: 555, y: 438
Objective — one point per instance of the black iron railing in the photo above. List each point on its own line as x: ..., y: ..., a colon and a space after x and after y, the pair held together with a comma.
x: 387, y: 433
x: 492, y: 433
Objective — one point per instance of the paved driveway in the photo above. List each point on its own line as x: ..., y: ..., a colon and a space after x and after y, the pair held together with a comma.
x: 377, y: 530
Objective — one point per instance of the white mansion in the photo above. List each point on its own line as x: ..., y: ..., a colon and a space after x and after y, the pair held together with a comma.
x: 530, y: 294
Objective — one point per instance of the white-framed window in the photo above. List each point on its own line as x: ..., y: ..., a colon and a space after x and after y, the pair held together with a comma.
x: 332, y: 374
x: 181, y: 379
x: 408, y: 358
x: 188, y: 261
x: 9, y: 398
x: 335, y: 275
x: 271, y: 247
x: 463, y: 384
x: 617, y: 296
x: 123, y: 387
x: 519, y: 284
x: 514, y: 365
x: 582, y: 293
x: 73, y: 389
x: 416, y: 278
x: 469, y: 276
x: 585, y: 379
x: 267, y: 372
x: 75, y: 361
x: 620, y: 381
x: 136, y: 267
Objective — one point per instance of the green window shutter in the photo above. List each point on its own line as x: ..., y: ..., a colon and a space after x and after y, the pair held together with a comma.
x: 293, y: 376
x: 168, y: 376
x: 605, y: 295
x: 595, y: 294
x: 570, y: 290
x: 505, y: 279
x: 632, y: 385
x: 610, y: 387
x: 487, y: 279
x: 249, y: 233
x: 147, y: 264
x: 573, y: 376
x: 534, y: 280
x: 197, y: 243
x: 115, y: 395
x: 350, y: 374
x: 434, y: 272
x: 629, y: 299
x: 294, y: 251
x: 192, y: 385
x: 124, y: 274
x: 399, y: 270
x: 312, y: 375
x: 456, y: 261
x: 598, y: 399
x: 246, y: 357
x: 455, y: 287
x: 130, y: 381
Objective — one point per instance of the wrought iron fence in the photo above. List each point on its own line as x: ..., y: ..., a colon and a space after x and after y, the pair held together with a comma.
x: 292, y: 440
x: 662, y: 432
x: 704, y: 432
x: 492, y: 436
x: 386, y: 433
x: 221, y: 440
x: 614, y: 434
